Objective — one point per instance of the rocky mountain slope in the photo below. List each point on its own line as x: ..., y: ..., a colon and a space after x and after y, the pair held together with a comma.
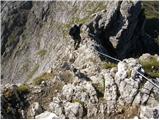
x: 44, y: 76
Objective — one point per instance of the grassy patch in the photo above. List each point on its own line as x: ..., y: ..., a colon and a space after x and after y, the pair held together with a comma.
x: 151, y: 9
x: 151, y: 67
x: 78, y: 101
x: 99, y: 7
x: 108, y: 65
x: 43, y: 77
x: 152, y: 18
x: 41, y: 53
x: 23, y: 89
x: 129, y: 73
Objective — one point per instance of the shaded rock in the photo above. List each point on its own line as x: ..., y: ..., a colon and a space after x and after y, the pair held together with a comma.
x: 13, y: 102
x: 118, y: 26
x: 13, y: 22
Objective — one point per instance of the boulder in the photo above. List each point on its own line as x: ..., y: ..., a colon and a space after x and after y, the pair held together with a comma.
x: 57, y: 107
x: 147, y: 112
x: 73, y: 110
x: 83, y: 91
x: 47, y: 115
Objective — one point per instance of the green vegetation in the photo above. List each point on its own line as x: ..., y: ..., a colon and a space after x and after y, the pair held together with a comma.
x: 108, y: 65
x: 43, y: 77
x: 41, y: 53
x: 23, y: 89
x: 99, y: 7
x: 151, y: 67
x: 152, y: 18
x: 78, y: 101
x: 33, y: 71
x: 129, y: 73
x: 151, y: 9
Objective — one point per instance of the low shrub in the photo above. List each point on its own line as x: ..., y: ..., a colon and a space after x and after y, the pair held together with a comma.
x: 41, y: 53
x: 151, y: 67
x: 43, y: 77
x: 108, y: 65
x: 23, y: 89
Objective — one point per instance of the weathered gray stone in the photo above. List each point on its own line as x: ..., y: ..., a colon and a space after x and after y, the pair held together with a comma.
x: 35, y: 109
x: 110, y: 93
x: 91, y: 110
x: 56, y: 106
x: 147, y: 112
x: 47, y: 115
x: 83, y: 91
x: 73, y: 110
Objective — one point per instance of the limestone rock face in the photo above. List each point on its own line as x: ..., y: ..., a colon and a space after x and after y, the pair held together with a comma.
x: 116, y: 92
x: 84, y: 91
x: 14, y: 18
x: 64, y: 83
x: 35, y: 37
x: 127, y: 87
x: 110, y: 93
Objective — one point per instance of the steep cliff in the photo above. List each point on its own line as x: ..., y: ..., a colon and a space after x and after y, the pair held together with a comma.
x: 34, y: 42
x: 43, y: 76
x: 35, y: 34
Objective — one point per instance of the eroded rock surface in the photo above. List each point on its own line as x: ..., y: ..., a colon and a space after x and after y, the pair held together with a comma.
x: 64, y: 83
x: 123, y: 25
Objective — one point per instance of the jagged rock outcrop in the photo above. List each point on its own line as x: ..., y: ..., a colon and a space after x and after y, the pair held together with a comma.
x: 128, y: 88
x: 122, y: 94
x: 61, y: 82
x: 123, y: 25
